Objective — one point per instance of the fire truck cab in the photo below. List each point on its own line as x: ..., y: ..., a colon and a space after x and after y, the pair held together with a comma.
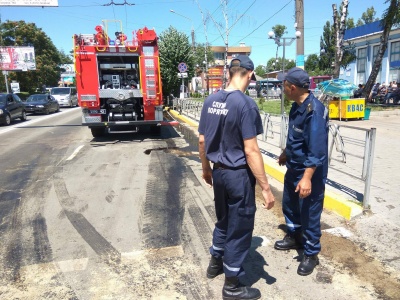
x: 118, y: 80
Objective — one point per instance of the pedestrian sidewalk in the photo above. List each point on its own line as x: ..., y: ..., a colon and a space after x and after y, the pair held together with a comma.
x: 379, y: 229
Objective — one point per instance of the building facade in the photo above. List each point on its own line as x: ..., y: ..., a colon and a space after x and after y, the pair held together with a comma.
x: 366, y: 39
x: 215, y: 76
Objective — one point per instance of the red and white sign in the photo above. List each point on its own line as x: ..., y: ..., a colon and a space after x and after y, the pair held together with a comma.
x: 17, y: 58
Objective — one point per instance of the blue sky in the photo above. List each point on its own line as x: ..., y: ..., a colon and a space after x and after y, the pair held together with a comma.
x: 257, y: 17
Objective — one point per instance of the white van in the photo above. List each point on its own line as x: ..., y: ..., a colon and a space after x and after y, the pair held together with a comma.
x: 65, y: 96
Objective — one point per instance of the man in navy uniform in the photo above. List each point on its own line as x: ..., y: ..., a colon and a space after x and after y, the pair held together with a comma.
x: 306, y: 159
x: 229, y: 124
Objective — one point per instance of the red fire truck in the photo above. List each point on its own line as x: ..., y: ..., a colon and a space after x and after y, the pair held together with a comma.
x: 118, y: 81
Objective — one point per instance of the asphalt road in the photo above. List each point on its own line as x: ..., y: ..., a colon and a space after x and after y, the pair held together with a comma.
x: 127, y: 217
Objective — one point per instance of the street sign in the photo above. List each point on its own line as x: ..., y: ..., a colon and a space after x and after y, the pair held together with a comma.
x: 15, y: 87
x: 183, y: 75
x: 182, y: 67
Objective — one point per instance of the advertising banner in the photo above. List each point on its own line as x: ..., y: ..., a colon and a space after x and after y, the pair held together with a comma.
x: 28, y: 2
x: 17, y: 58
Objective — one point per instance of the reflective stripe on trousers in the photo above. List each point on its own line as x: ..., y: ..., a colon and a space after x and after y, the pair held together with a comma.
x: 234, y: 192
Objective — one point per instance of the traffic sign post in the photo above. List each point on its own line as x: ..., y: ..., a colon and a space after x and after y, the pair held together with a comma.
x: 182, y: 67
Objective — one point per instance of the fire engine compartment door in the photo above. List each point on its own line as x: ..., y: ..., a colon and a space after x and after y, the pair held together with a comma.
x: 87, y: 75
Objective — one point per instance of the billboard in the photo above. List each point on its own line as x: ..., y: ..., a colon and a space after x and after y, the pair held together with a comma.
x: 17, y: 58
x: 28, y: 2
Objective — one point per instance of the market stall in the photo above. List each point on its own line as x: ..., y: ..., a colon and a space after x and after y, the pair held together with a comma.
x: 337, y: 95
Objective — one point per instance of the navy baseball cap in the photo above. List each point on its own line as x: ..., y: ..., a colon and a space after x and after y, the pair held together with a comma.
x: 243, y: 61
x: 297, y: 76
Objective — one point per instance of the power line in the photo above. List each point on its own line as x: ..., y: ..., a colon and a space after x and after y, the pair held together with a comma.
x: 113, y: 3
x: 266, y: 20
x: 228, y: 30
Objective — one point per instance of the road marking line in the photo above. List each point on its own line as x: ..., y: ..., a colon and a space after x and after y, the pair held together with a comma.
x: 75, y: 152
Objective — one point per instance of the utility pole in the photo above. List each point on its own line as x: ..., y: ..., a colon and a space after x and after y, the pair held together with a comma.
x: 206, y: 46
x: 299, y: 25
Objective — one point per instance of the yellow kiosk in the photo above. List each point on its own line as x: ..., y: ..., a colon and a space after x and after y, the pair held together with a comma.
x: 347, y: 108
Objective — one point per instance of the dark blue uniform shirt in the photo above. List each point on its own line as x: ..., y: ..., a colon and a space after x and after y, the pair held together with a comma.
x: 227, y: 118
x: 307, y: 141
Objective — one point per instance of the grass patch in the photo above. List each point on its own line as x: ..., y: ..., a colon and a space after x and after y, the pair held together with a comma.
x: 272, y: 107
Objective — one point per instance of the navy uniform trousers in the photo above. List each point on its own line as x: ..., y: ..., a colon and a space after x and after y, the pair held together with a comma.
x: 304, y: 214
x: 234, y: 192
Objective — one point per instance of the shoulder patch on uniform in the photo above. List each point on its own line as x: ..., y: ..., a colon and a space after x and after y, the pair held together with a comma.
x: 309, y: 107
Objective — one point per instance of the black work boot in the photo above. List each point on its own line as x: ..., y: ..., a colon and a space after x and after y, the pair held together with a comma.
x: 307, y: 265
x: 214, y: 267
x: 290, y: 241
x: 235, y: 290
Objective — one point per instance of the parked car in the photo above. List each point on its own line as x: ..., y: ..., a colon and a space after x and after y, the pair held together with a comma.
x: 11, y: 108
x: 41, y: 103
x: 66, y: 96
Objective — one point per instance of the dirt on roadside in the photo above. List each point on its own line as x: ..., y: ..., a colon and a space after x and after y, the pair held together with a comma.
x: 347, y: 256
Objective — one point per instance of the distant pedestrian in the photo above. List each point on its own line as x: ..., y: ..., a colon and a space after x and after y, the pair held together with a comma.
x: 278, y: 91
x: 358, y: 92
x: 374, y: 92
x: 229, y: 125
x: 306, y: 160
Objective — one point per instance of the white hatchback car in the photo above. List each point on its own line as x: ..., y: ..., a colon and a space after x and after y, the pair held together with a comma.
x: 66, y: 96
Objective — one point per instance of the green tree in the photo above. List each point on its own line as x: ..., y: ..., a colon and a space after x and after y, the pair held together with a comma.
x: 65, y: 58
x: 47, y: 57
x: 276, y: 64
x: 327, y: 45
x: 174, y: 48
x: 367, y: 17
x: 279, y: 30
x: 311, y: 63
x: 350, y: 23
x: 199, y: 58
x: 271, y: 65
x: 260, y: 70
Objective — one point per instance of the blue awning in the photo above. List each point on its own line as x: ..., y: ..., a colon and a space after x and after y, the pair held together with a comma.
x: 395, y: 64
x: 363, y: 30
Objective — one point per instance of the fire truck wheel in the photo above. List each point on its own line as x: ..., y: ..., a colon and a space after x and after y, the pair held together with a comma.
x: 98, y: 132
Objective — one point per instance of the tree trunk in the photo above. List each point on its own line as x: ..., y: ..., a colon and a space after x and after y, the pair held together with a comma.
x: 387, y: 23
x: 340, y: 27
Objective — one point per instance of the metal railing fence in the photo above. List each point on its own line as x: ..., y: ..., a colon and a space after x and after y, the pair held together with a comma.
x: 275, y: 134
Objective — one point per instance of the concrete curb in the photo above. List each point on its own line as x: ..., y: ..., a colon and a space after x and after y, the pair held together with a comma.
x: 332, y: 201
x: 386, y: 113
